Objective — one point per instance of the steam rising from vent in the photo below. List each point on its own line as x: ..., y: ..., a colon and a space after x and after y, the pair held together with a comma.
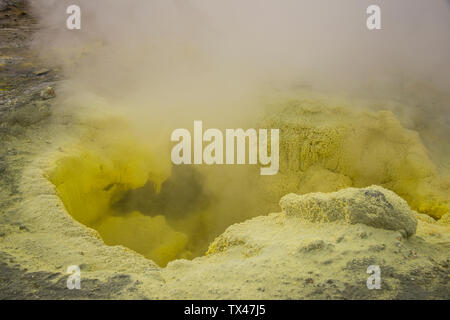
x: 201, y: 51
x: 160, y: 65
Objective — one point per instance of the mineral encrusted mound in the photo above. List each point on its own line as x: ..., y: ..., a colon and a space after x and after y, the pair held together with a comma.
x: 326, y: 146
x: 373, y: 206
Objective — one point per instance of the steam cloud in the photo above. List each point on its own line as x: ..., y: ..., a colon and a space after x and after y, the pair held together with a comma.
x: 166, y: 63
x: 210, y: 52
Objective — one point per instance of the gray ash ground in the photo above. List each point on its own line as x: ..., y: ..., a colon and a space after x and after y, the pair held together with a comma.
x: 16, y: 283
x: 22, y: 75
x: 22, y: 78
x: 21, y: 106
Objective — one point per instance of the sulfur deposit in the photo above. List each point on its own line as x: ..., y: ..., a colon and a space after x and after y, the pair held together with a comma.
x: 86, y: 178
x: 115, y: 182
x: 319, y: 246
x: 316, y: 253
x: 373, y: 206
x: 327, y: 145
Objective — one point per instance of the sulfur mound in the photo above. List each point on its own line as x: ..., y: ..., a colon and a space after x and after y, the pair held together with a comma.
x: 326, y: 146
x: 373, y: 206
